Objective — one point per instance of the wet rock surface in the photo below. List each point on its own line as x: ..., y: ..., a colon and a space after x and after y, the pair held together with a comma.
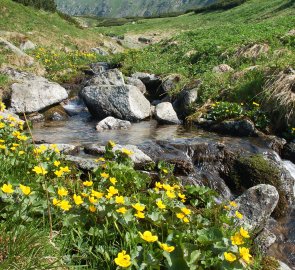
x: 112, y: 123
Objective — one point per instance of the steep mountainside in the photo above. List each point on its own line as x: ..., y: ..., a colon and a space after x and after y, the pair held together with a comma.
x: 123, y: 8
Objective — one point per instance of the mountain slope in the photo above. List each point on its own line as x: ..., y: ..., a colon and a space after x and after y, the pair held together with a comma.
x: 123, y: 8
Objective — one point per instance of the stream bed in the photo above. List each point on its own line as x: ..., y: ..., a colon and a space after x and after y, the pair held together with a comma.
x: 80, y: 130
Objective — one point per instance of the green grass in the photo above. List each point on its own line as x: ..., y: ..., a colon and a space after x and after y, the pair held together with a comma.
x: 43, y: 28
x: 212, y: 39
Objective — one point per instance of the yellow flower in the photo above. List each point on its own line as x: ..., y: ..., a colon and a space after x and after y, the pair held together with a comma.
x: 139, y: 214
x: 121, y: 210
x: 126, y: 152
x: 2, y: 147
x: 56, y: 163
x: 123, y: 260
x: 55, y: 201
x: 87, y: 183
x: 166, y: 247
x: 139, y: 207
x: 25, y: 189
x: 100, y: 159
x: 160, y: 204
x: 148, y: 236
x: 165, y: 171
x: 112, y: 190
x: 113, y: 180
x: 2, y: 107
x: 96, y: 194
x: 226, y: 207
x: 186, y: 211
x: 62, y: 192
x: 39, y: 170
x: 65, y: 205
x: 237, y: 239
x: 92, y: 208
x: 2, y: 125
x: 159, y: 185
x: 84, y: 194
x: 256, y: 104
x: 120, y: 200
x: 244, y: 252
x: 65, y: 169
x: 244, y: 233
x: 92, y: 200
x: 58, y: 173
x: 170, y: 194
x: 233, y: 204
x: 111, y: 144
x: 104, y: 175
x: 77, y: 199
x: 167, y: 187
x: 185, y: 219
x: 7, y: 188
x: 182, y: 197
x: 180, y: 215
x: 21, y: 153
x: 238, y: 215
x: 229, y: 256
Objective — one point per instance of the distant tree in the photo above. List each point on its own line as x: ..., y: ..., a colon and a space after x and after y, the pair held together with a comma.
x: 48, y: 5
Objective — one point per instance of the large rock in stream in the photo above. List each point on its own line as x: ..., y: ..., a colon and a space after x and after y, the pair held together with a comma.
x: 124, y: 102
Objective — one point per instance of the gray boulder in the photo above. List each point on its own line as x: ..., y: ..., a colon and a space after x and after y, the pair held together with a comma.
x: 165, y: 114
x: 136, y: 82
x: 108, y: 77
x: 67, y: 149
x: 223, y: 68
x: 27, y: 45
x: 112, y: 123
x: 124, y: 102
x: 153, y: 84
x: 32, y: 93
x: 170, y: 82
x: 100, y: 51
x: 256, y: 205
x: 243, y: 127
x: 283, y: 266
x: 264, y: 240
x: 139, y: 158
x: 85, y: 164
x: 184, y: 101
x: 288, y: 151
x: 99, y: 67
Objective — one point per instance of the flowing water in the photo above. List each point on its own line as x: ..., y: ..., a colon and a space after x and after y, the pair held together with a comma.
x: 80, y: 130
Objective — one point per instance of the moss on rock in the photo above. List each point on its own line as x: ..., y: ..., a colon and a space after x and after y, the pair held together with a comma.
x: 254, y: 170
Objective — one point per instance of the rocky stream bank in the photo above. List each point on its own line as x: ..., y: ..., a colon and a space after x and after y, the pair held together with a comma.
x: 247, y: 168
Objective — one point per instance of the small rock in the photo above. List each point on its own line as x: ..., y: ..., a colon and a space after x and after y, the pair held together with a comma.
x: 223, y: 68
x: 242, y: 128
x: 185, y: 99
x: 144, y: 40
x: 253, y: 51
x: 85, y: 164
x: 99, y: 67
x: 283, y: 266
x: 264, y: 240
x: 170, y: 82
x: 36, y: 117
x: 136, y: 82
x: 100, y: 51
x: 256, y: 205
x: 139, y: 158
x: 165, y: 114
x: 108, y: 77
x: 27, y: 45
x: 289, y: 151
x: 66, y: 149
x: 112, y: 123
x: 56, y: 116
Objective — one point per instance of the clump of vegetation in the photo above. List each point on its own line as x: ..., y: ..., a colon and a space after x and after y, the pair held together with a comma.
x: 229, y: 110
x: 220, y: 5
x: 62, y: 66
x: 101, y: 221
x: 254, y: 170
x: 48, y: 5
